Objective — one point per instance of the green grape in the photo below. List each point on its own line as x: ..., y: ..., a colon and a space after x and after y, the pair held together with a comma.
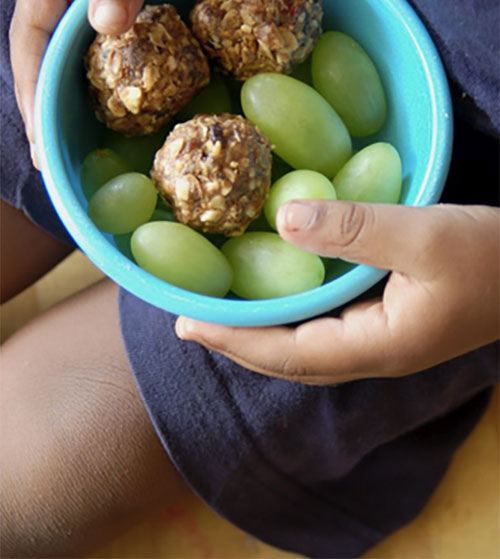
x: 295, y: 185
x: 372, y: 175
x: 139, y: 152
x: 100, y: 166
x: 265, y: 266
x: 306, y: 132
x: 213, y: 99
x: 123, y: 203
x: 346, y: 77
x: 181, y: 256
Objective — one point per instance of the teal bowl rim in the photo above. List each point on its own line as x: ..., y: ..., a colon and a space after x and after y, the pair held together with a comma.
x: 179, y: 301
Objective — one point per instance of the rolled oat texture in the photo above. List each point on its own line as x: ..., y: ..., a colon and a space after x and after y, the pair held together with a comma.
x: 215, y: 172
x: 245, y: 37
x: 140, y: 79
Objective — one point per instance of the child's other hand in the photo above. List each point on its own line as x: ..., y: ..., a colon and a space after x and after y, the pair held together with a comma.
x: 441, y: 300
x: 30, y: 30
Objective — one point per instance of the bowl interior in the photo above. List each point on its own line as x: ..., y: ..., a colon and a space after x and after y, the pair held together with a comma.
x: 419, y: 125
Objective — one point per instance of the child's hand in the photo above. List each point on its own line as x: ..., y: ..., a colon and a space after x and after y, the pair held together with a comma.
x: 441, y: 300
x: 30, y: 30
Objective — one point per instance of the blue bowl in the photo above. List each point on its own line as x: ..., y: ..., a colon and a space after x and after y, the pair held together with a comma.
x: 419, y: 125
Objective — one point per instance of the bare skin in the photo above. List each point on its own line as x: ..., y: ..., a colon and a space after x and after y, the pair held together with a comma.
x: 79, y: 459
x: 441, y: 300
x: 27, y: 252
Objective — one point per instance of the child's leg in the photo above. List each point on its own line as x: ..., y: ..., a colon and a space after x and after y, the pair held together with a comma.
x: 27, y: 252
x: 79, y: 459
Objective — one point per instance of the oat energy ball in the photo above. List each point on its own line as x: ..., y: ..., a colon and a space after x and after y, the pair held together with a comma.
x: 215, y: 172
x: 139, y: 79
x: 245, y: 37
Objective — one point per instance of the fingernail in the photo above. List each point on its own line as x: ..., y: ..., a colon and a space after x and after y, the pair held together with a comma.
x: 110, y: 15
x: 179, y: 327
x: 296, y: 216
x: 34, y: 156
x: 183, y: 327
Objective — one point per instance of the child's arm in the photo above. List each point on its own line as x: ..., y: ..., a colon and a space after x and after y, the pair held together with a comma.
x: 442, y: 299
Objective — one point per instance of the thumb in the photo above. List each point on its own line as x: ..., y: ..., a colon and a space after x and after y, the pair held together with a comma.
x: 387, y: 236
x: 113, y: 17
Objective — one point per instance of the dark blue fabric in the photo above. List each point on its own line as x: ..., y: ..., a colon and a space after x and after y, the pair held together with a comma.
x: 322, y: 471
x: 467, y: 35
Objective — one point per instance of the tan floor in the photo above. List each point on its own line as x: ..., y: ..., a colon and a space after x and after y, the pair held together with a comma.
x: 460, y: 522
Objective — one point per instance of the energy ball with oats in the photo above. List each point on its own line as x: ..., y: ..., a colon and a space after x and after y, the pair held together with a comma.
x: 245, y: 37
x: 215, y: 172
x: 140, y: 79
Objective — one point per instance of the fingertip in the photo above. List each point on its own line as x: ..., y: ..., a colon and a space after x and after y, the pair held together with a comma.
x: 25, y: 104
x: 34, y: 156
x: 180, y: 327
x: 188, y: 329
x: 281, y: 217
x: 297, y: 215
x: 109, y: 17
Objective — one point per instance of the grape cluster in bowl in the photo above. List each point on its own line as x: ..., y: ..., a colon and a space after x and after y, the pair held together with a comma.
x: 79, y: 154
x: 213, y: 171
